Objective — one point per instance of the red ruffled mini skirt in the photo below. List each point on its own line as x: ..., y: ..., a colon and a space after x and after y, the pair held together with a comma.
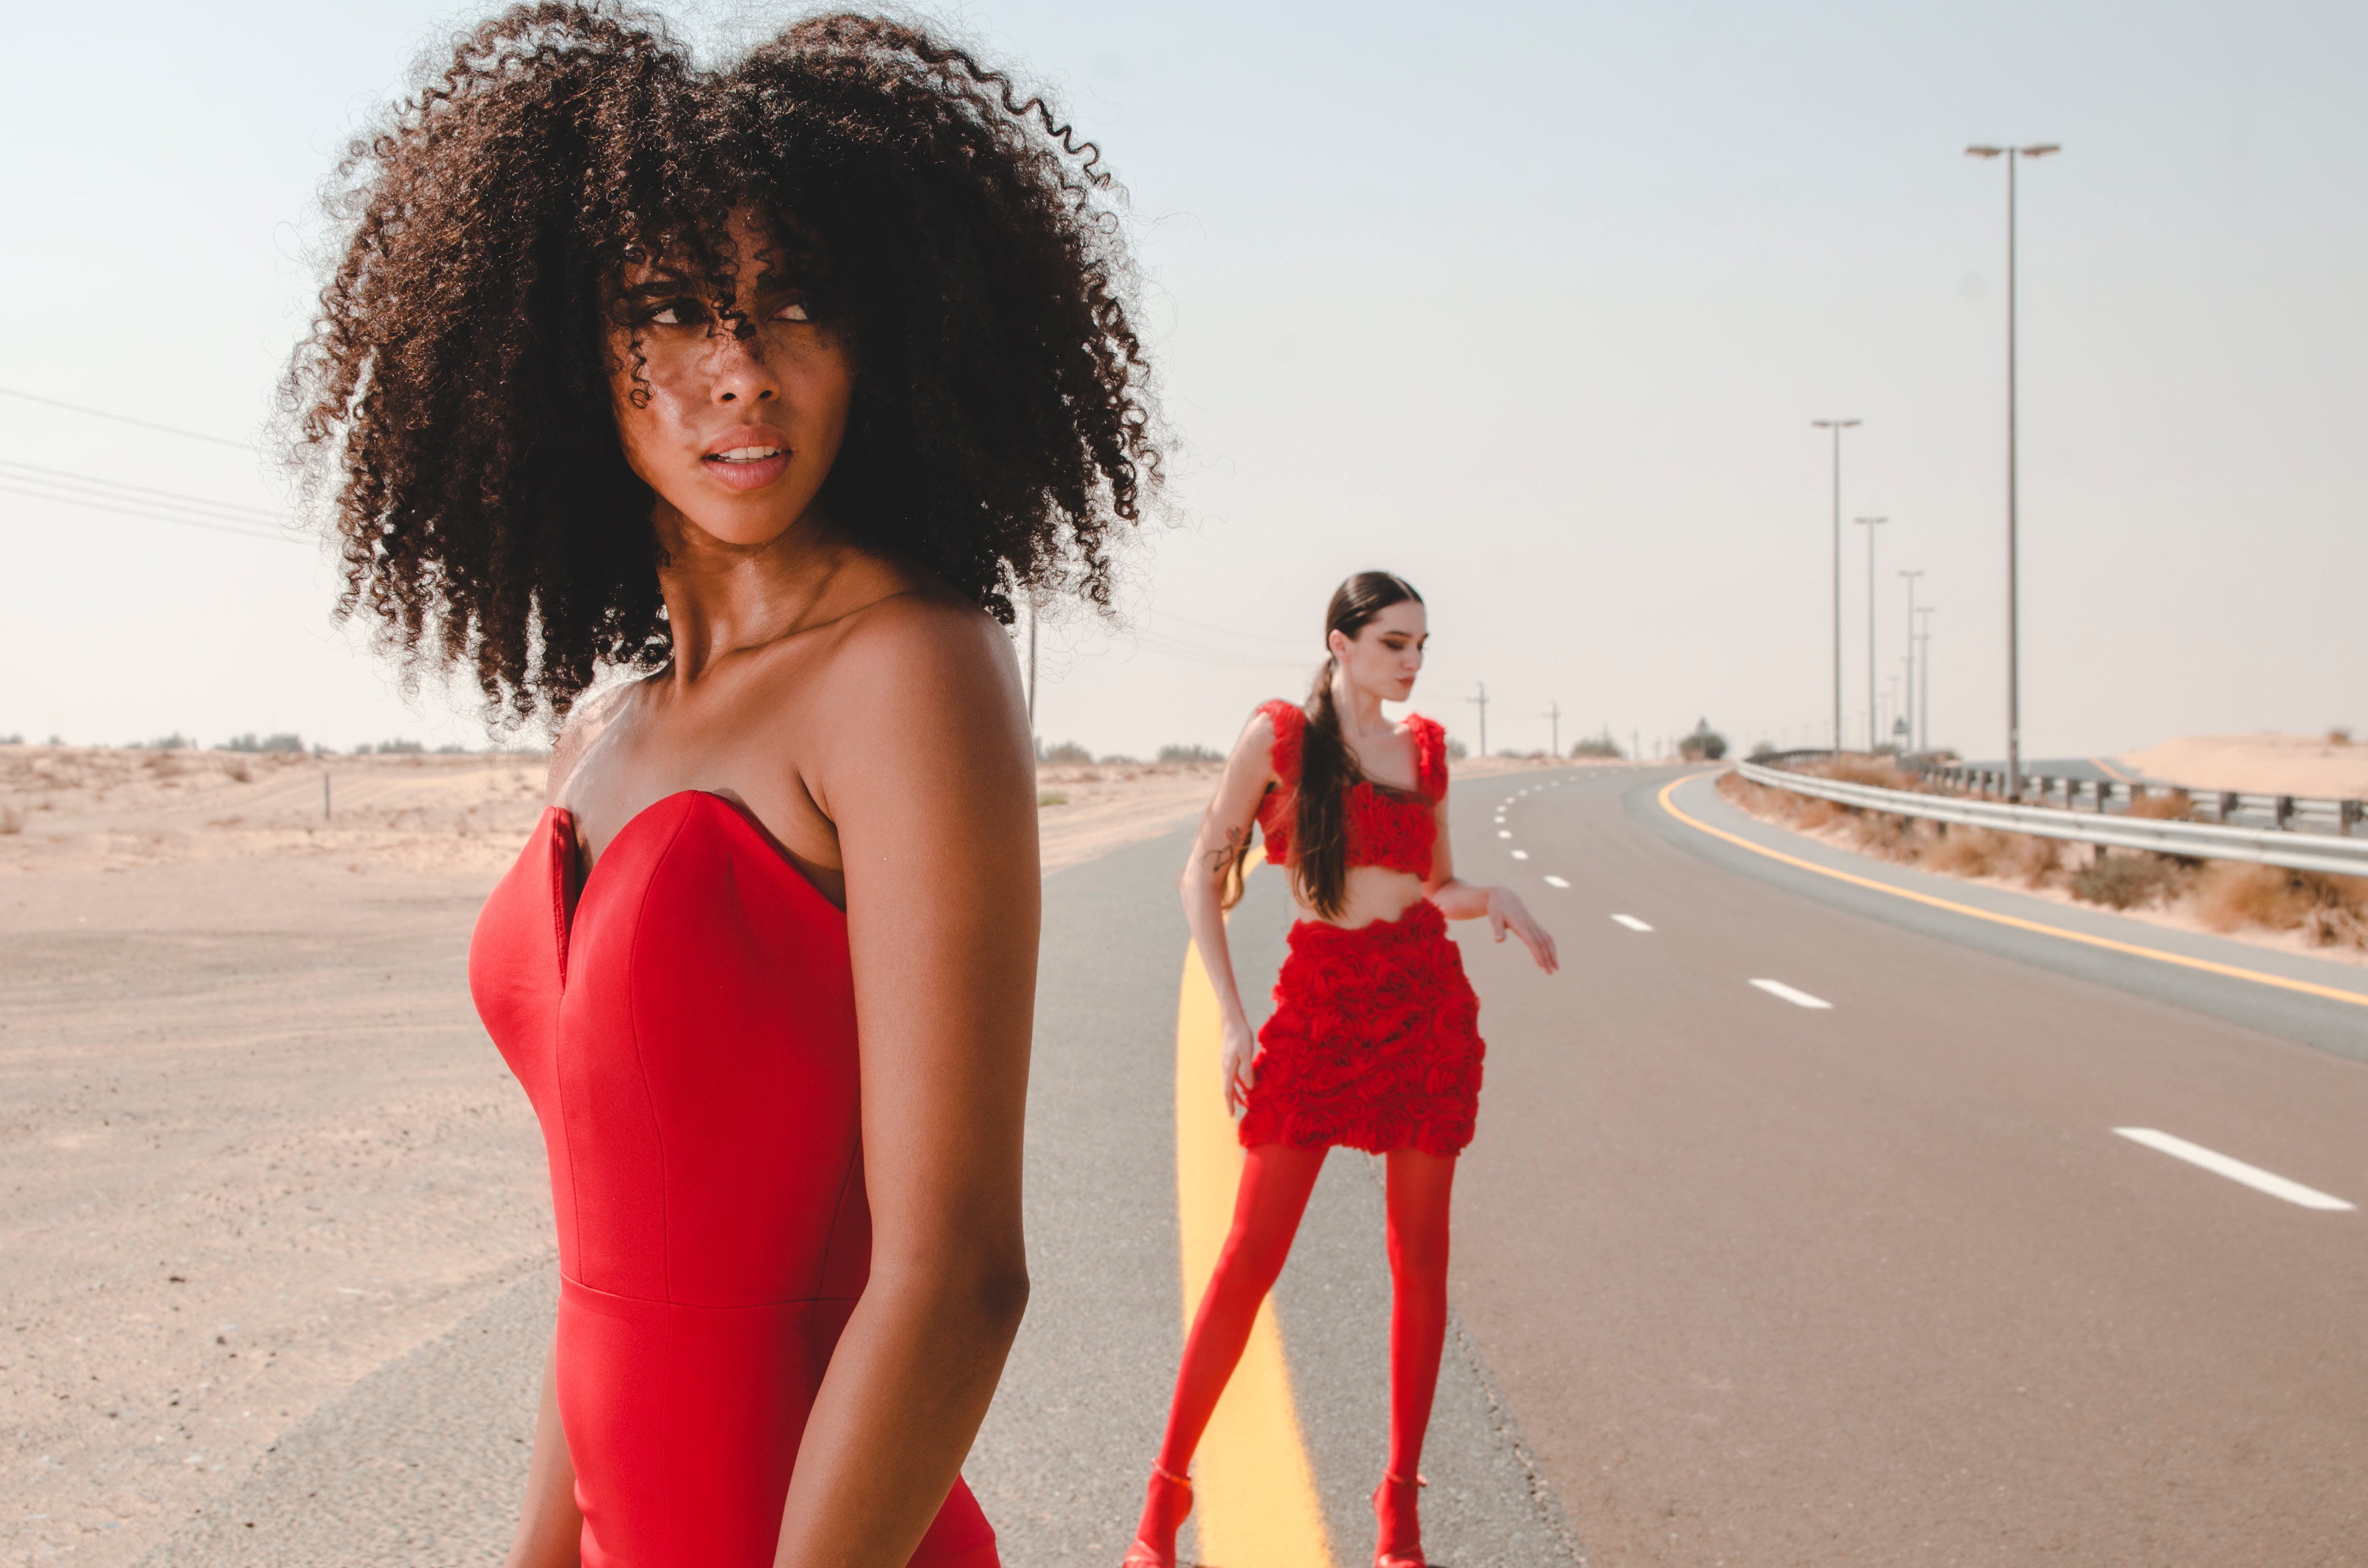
x: 1374, y: 1044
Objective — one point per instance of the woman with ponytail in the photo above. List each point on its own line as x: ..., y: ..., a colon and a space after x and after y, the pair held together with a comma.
x: 1374, y: 1042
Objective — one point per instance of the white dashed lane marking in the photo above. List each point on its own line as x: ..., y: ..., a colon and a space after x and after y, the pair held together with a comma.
x: 2218, y: 1163
x: 1631, y: 923
x: 1504, y: 832
x: 1798, y: 998
x: 1554, y: 881
x: 1521, y: 854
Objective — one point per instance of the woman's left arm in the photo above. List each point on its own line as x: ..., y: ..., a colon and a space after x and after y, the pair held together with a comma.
x: 1460, y: 900
x: 932, y: 789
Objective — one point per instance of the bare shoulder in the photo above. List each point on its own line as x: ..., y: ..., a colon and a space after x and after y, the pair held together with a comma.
x: 922, y: 633
x: 921, y: 693
x: 1258, y: 738
x: 585, y: 723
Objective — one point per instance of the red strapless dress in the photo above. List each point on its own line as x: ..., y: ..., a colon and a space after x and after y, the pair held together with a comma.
x: 1374, y: 1041
x: 686, y: 1029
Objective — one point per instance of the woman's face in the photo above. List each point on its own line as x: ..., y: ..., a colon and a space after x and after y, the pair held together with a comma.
x: 1386, y: 653
x: 746, y: 397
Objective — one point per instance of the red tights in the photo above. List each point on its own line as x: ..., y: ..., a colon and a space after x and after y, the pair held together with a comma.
x: 1276, y: 1181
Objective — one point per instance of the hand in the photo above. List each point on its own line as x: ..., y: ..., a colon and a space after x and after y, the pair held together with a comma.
x: 1240, y: 1052
x: 1507, y: 913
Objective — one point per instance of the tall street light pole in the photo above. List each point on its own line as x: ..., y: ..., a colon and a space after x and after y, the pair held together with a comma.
x: 1924, y: 674
x: 2013, y: 624
x: 1914, y: 707
x: 1874, y: 740
x: 1837, y: 427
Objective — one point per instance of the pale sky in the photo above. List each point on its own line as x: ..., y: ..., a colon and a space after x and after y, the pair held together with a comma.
x: 1531, y: 304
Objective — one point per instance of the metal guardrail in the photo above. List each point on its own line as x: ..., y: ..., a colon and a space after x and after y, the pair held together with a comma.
x: 2198, y: 840
x: 2298, y: 813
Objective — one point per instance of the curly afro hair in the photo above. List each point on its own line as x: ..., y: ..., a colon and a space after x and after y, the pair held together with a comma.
x: 454, y: 395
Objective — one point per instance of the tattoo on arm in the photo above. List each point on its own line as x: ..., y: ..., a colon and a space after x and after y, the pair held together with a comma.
x: 1218, y: 858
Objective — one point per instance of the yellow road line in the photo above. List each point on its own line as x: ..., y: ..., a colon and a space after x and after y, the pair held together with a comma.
x: 2181, y: 960
x: 1253, y: 1489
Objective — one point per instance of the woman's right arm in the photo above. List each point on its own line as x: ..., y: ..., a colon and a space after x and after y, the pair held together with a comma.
x: 1224, y: 831
x: 550, y: 1527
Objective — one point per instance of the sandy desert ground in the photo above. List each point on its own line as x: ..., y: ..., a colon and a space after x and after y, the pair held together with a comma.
x: 254, y: 1140
x: 2319, y: 766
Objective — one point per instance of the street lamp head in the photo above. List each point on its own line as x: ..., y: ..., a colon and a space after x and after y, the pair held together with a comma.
x: 1833, y: 424
x: 1870, y: 520
x: 1984, y: 152
x: 2040, y: 149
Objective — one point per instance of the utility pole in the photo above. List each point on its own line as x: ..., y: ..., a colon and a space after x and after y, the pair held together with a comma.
x: 1635, y: 748
x: 1924, y: 671
x: 1837, y: 427
x: 1913, y: 707
x: 1031, y: 672
x: 2013, y: 607
x: 1555, y: 713
x: 1873, y: 741
x: 1482, y: 701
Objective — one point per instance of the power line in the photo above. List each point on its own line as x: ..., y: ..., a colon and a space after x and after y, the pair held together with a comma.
x: 1229, y: 632
x: 127, y: 419
x: 129, y: 511
x: 34, y: 473
x: 1227, y: 658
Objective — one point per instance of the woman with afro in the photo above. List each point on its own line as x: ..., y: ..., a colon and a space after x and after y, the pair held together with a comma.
x: 767, y: 388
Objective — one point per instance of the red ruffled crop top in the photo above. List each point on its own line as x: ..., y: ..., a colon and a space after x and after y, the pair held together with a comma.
x: 1390, y: 828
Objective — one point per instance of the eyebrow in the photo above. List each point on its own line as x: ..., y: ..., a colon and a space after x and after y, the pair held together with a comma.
x: 772, y: 279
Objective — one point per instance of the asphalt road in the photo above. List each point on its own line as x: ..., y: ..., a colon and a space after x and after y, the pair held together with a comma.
x: 1877, y: 1283
x: 1738, y: 1280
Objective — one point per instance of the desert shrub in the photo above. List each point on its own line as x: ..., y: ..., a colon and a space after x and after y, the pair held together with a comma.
x: 1118, y: 759
x: 1599, y: 746
x: 1189, y: 754
x: 1456, y: 750
x: 1761, y: 751
x: 398, y: 747
x: 241, y: 773
x: 1051, y: 797
x: 1967, y: 852
x: 1857, y: 767
x: 2167, y: 806
x: 11, y: 819
x: 2338, y: 737
x: 1066, y: 752
x: 12, y: 740
x: 2328, y: 910
x: 1703, y: 745
x: 2130, y: 881
x: 2032, y: 860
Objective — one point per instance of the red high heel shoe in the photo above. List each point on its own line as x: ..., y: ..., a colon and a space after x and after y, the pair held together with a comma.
x: 1400, y: 1545
x: 1167, y: 1502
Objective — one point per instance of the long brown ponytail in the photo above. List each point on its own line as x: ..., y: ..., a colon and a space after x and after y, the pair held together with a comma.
x: 1327, y: 768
